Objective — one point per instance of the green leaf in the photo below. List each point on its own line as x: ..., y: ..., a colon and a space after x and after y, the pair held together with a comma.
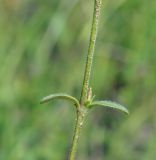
x: 60, y: 96
x: 109, y: 104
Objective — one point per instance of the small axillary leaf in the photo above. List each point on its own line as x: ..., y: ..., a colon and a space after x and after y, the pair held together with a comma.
x: 89, y: 95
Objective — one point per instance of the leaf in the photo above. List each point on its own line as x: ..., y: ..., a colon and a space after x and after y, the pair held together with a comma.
x: 109, y: 104
x: 60, y: 96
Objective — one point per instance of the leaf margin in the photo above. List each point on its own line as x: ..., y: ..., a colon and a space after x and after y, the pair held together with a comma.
x: 109, y: 104
x: 60, y: 96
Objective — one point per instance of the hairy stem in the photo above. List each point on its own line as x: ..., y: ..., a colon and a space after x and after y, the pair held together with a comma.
x: 81, y: 113
x: 94, y: 29
x: 79, y: 123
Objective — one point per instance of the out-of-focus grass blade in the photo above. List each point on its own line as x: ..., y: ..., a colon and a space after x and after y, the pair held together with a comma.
x: 110, y: 104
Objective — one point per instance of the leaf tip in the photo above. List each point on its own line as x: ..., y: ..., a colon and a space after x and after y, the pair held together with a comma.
x: 42, y: 101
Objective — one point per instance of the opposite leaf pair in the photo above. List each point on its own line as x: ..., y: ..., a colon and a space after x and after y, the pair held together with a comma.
x: 90, y: 104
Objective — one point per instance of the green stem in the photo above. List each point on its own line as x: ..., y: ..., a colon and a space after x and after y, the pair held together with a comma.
x: 81, y: 114
x: 82, y: 110
x: 94, y: 29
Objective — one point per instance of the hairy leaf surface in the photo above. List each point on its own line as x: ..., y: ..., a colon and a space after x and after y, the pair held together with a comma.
x: 60, y: 96
x: 110, y: 104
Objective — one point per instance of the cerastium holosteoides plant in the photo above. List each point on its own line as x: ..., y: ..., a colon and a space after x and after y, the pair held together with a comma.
x: 86, y: 101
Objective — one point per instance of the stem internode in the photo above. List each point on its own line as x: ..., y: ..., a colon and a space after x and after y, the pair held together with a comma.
x: 81, y: 113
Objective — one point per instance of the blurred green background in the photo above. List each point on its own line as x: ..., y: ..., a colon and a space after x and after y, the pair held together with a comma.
x: 43, y: 46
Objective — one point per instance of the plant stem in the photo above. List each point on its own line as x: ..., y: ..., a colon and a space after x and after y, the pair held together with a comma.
x: 82, y: 110
x: 94, y: 29
x: 81, y: 114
